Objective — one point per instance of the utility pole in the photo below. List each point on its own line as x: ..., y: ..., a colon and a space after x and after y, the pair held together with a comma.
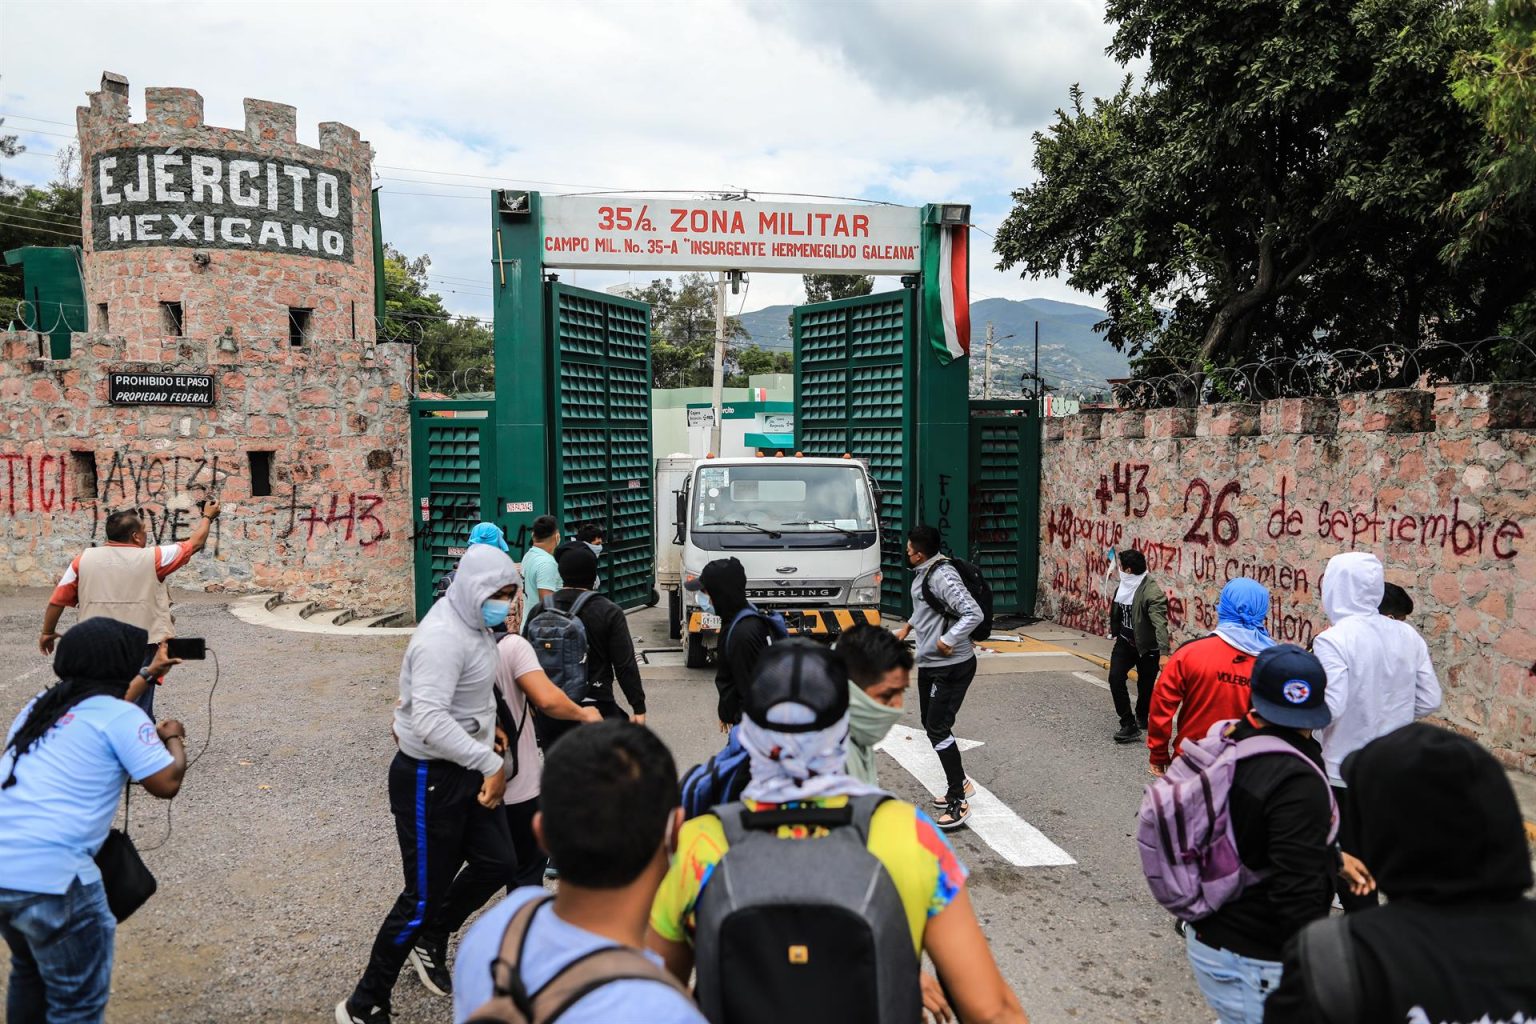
x: 718, y: 384
x: 986, y: 380
x: 1038, y: 382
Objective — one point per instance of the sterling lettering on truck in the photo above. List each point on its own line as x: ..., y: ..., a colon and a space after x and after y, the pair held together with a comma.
x: 791, y: 593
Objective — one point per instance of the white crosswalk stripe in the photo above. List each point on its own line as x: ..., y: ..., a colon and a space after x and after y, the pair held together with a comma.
x: 1014, y: 839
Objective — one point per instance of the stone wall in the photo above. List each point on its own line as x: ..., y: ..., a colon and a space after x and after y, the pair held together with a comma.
x: 1439, y: 484
x: 306, y: 441
x: 335, y: 525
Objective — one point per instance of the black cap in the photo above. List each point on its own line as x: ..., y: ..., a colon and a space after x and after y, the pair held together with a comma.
x: 578, y: 567
x: 729, y: 571
x: 1288, y: 688
x: 798, y: 672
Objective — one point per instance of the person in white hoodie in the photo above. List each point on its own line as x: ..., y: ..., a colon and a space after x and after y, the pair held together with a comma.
x: 446, y: 782
x: 1379, y: 677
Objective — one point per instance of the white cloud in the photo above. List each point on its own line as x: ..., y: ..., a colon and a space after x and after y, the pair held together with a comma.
x: 905, y: 101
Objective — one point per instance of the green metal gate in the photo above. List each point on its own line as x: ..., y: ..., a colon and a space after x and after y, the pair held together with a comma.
x: 1005, y: 501
x: 450, y: 443
x: 855, y: 376
x: 600, y: 361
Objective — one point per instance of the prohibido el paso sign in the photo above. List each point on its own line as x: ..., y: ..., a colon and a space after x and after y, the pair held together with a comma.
x: 214, y: 199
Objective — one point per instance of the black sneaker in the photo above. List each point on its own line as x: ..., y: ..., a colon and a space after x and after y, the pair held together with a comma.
x: 350, y: 1011
x: 1127, y: 734
x: 1141, y: 723
x: 955, y: 813
x: 431, y: 963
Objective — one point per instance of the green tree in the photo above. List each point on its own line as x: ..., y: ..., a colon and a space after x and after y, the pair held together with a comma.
x: 683, y: 331
x: 455, y: 352
x: 754, y: 360
x: 1497, y: 85
x: 1271, y: 186
x: 825, y: 287
x: 47, y: 215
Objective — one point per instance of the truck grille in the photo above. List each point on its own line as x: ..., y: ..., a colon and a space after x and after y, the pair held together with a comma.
x: 797, y: 593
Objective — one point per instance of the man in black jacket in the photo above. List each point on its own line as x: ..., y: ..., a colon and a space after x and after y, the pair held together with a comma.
x: 1282, y: 822
x: 723, y: 583
x: 610, y: 649
x: 1440, y: 829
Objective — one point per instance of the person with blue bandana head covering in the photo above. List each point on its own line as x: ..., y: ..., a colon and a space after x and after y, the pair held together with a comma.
x: 483, y: 533
x: 1206, y: 680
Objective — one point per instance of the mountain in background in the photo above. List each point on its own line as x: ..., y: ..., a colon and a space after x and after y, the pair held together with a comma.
x: 1073, y: 357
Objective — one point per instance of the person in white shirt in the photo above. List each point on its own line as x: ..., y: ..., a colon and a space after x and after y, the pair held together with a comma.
x: 1379, y: 676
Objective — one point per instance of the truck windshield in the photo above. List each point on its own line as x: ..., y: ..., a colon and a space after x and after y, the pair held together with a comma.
x: 783, y: 496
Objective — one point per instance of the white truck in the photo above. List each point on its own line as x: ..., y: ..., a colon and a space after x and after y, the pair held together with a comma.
x: 805, y: 529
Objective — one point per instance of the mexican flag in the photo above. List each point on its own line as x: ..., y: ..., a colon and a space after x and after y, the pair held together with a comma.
x: 947, y: 292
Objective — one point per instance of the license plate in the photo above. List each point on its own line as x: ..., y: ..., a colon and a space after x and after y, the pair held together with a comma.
x: 707, y: 621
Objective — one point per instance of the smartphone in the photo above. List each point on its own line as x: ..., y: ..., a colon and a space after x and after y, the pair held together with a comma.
x: 188, y: 648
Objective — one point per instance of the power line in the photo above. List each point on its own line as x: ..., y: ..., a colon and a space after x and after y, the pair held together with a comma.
x: 50, y: 231
x: 40, y: 120
x: 49, y: 214
x: 6, y: 215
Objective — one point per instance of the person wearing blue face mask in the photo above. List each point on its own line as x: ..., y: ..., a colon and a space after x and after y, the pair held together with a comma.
x: 445, y: 783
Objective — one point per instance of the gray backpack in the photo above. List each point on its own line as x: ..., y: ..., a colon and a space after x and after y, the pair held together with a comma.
x: 559, y: 638
x: 805, y: 930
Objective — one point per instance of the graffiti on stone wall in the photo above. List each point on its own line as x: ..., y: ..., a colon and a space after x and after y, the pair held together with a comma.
x: 165, y: 491
x: 1208, y: 542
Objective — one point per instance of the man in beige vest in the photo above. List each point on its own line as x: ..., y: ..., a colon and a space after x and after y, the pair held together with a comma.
x: 125, y: 580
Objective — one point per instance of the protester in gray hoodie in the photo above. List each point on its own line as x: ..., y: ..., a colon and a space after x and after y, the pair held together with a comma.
x: 946, y: 661
x: 445, y: 783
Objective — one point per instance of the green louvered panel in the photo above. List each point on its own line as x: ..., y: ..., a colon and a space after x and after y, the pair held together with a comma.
x: 1005, y: 501
x: 854, y: 394
x: 450, y: 442
x: 601, y: 357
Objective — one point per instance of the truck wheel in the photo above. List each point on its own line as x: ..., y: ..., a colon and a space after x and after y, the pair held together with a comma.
x: 697, y: 653
x: 675, y: 614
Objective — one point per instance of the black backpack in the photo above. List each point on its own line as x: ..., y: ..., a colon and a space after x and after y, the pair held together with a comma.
x: 808, y: 930
x: 975, y: 584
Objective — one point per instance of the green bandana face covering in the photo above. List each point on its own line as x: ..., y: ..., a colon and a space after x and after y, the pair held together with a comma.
x: 868, y: 722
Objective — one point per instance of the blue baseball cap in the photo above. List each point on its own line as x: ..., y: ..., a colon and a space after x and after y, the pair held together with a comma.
x: 1289, y: 687
x: 488, y: 533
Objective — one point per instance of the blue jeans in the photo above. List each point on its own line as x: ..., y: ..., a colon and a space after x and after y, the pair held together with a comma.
x: 1235, y: 986
x: 61, y: 954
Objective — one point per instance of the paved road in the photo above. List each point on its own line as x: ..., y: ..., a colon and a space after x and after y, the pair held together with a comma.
x: 282, y: 859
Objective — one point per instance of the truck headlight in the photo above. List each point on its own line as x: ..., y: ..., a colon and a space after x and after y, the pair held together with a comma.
x: 866, y: 589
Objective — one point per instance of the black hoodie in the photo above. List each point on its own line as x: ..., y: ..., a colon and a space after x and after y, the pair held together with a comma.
x: 1441, y: 831
x: 725, y: 581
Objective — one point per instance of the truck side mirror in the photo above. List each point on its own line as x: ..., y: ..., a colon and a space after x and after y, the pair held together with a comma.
x: 682, y: 516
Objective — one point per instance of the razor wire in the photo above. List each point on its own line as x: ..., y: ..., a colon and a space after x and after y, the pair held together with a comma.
x: 1336, y: 372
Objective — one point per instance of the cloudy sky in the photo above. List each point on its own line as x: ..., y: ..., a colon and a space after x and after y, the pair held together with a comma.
x: 906, y: 101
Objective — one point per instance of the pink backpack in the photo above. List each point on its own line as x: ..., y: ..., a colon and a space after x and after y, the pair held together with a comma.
x: 1184, y: 830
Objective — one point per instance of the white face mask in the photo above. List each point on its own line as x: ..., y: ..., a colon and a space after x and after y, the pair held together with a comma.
x: 597, y: 550
x: 705, y: 604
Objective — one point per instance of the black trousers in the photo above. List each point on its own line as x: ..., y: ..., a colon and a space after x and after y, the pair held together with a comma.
x: 1349, y: 842
x: 531, y: 860
x: 548, y: 730
x: 940, y: 692
x: 1121, y: 660
x: 441, y: 826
